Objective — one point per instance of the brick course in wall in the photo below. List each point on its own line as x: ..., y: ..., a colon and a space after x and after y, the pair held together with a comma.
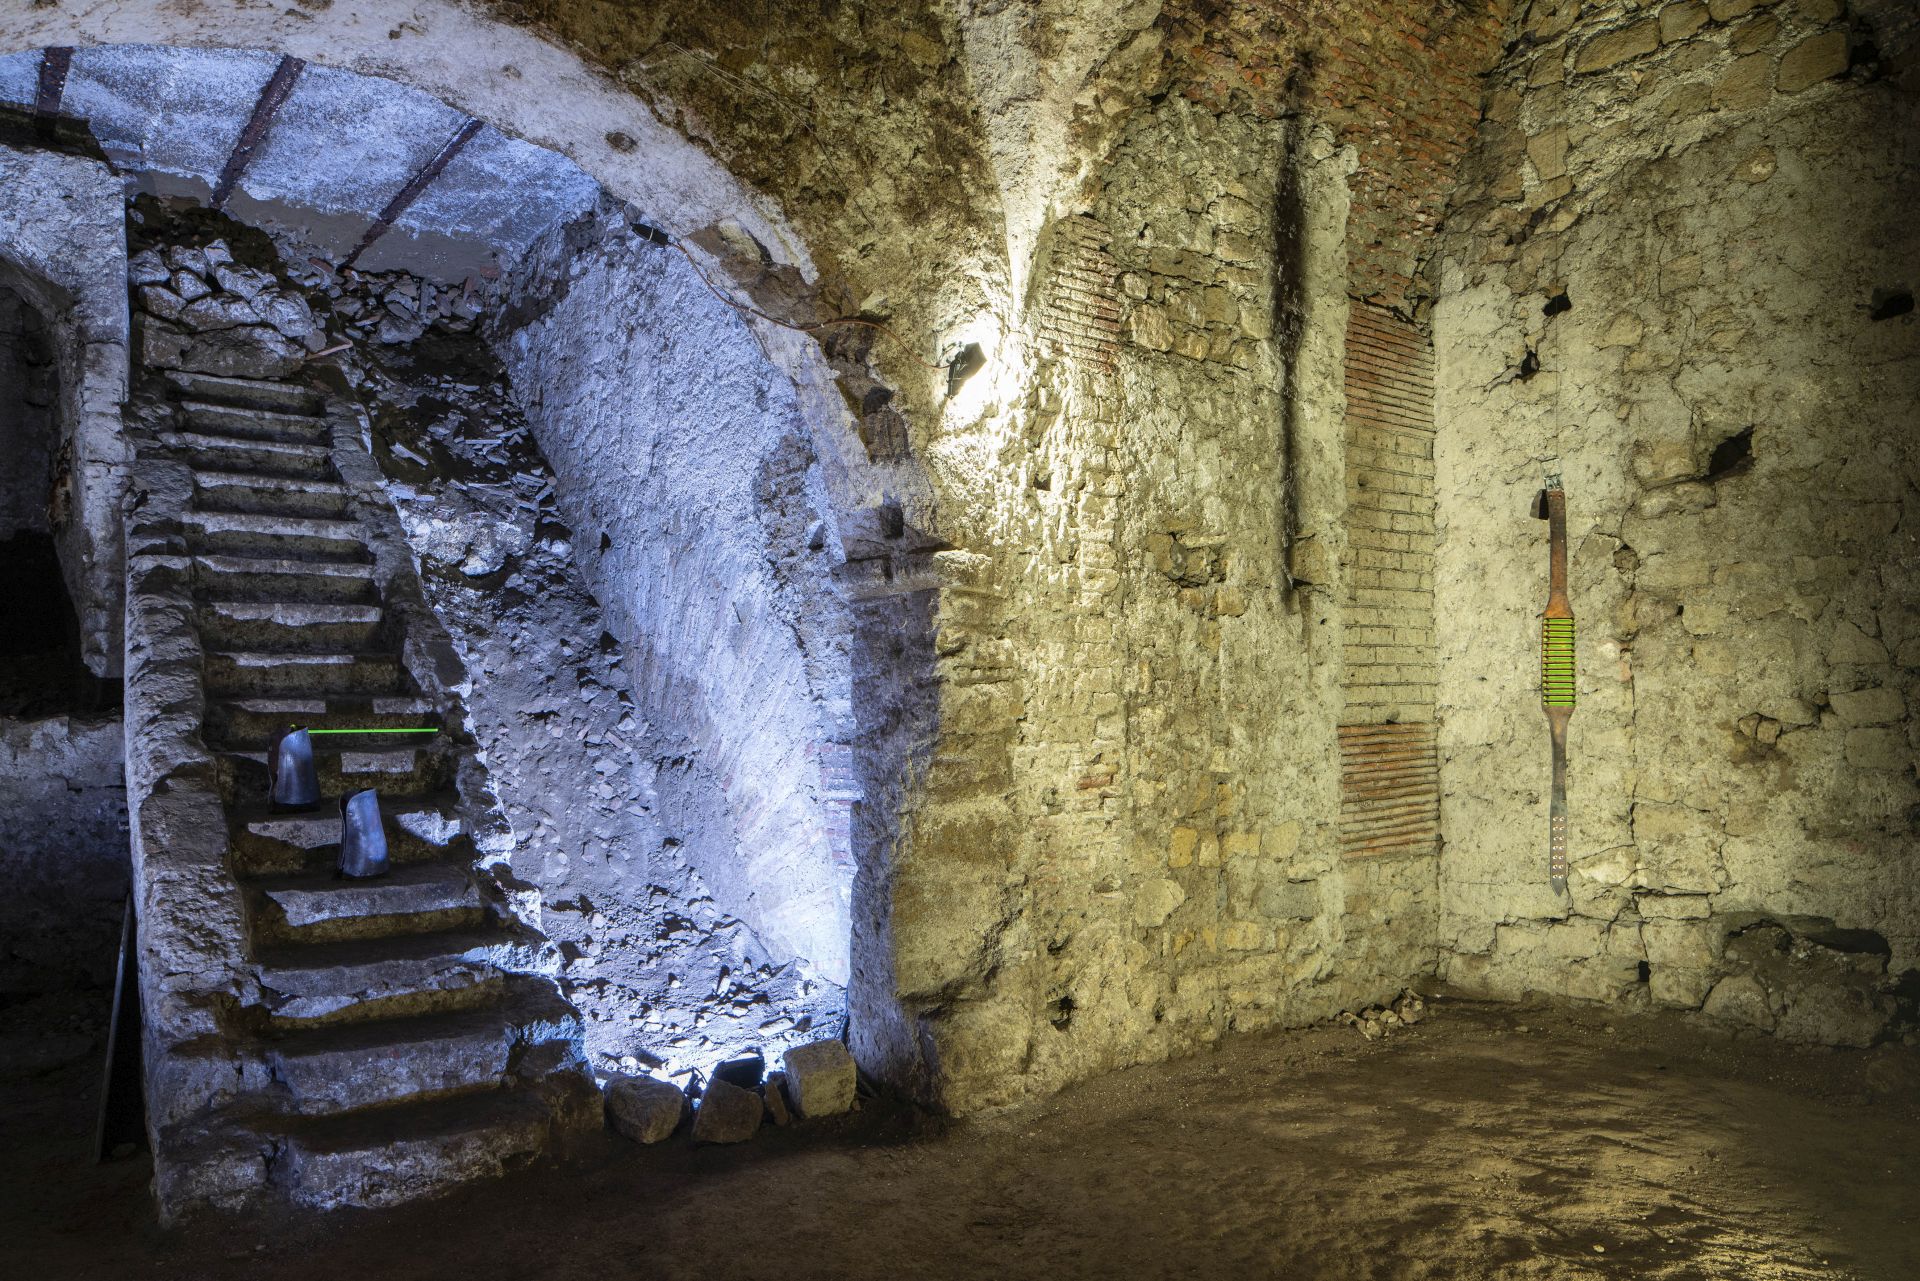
x: 1390, y: 662
x: 1389, y: 778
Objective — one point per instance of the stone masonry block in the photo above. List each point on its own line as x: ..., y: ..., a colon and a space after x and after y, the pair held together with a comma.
x: 1746, y: 84
x: 821, y: 1078
x: 1615, y: 47
x: 1678, y: 21
x: 1878, y: 749
x: 1880, y: 706
x: 1811, y: 61
x: 728, y: 1114
x: 643, y: 1109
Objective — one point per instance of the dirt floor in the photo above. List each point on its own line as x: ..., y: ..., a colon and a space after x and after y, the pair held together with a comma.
x: 1488, y: 1142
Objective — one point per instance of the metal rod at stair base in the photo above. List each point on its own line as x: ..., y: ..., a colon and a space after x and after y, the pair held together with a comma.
x: 1556, y: 670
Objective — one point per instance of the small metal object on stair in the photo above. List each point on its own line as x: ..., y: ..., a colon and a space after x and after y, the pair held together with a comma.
x: 363, y: 840
x: 1556, y: 670
x: 295, y: 784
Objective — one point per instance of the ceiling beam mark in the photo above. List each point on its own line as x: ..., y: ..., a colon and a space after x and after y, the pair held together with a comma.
x: 411, y: 192
x: 272, y: 94
x: 54, y: 65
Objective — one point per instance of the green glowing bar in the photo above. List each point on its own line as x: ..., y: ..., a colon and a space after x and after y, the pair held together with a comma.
x: 1556, y: 662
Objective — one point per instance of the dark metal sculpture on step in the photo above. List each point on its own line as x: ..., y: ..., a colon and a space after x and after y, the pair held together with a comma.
x: 363, y: 840
x: 294, y: 783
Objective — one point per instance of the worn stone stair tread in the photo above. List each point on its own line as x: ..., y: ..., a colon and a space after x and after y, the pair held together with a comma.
x: 365, y: 760
x: 264, y: 392
x: 322, y: 980
x: 305, y: 494
x: 214, y: 441
x: 304, y: 671
x: 322, y: 826
x: 293, y: 613
x: 410, y: 888
x: 272, y: 524
x: 334, y: 704
x: 210, y: 479
x: 280, y: 658
x: 251, y: 420
x: 400, y: 1061
x: 385, y: 1156
x: 230, y: 563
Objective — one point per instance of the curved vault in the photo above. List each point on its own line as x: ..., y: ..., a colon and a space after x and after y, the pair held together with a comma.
x: 338, y: 149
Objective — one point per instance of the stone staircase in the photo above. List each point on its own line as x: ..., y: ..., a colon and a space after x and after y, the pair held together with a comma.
x: 310, y: 1039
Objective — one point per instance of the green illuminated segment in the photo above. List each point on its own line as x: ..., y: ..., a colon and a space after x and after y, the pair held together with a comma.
x: 1556, y: 662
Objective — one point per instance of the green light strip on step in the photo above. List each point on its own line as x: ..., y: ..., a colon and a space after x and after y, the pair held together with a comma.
x: 373, y: 731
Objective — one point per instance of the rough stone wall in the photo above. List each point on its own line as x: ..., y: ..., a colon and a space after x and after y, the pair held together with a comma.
x: 667, y: 978
x: 683, y: 471
x: 63, y: 248
x: 63, y: 856
x: 1662, y: 281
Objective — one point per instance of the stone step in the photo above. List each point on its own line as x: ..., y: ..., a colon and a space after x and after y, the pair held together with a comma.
x: 282, y: 495
x: 392, y: 770
x: 255, y: 424
x: 275, y: 672
x: 319, y: 907
x: 341, y: 1067
x: 206, y: 452
x: 223, y: 577
x: 419, y: 829
x: 255, y: 393
x: 290, y: 625
x: 392, y: 1155
x: 354, y: 980
x: 275, y: 535
x: 252, y: 724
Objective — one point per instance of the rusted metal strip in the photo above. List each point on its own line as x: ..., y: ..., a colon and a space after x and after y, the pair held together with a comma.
x: 411, y: 192
x: 272, y: 94
x: 54, y: 65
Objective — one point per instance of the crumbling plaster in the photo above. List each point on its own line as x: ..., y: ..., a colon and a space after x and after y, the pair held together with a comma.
x: 1715, y: 198
x: 685, y: 462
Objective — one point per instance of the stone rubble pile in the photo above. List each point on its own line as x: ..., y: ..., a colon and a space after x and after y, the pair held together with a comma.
x: 819, y: 1079
x: 390, y: 308
x: 1377, y: 1021
x: 203, y: 312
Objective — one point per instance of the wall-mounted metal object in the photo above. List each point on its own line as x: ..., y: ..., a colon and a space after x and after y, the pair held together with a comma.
x: 1556, y: 670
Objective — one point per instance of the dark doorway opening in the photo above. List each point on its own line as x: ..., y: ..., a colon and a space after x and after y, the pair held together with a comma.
x: 41, y: 673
